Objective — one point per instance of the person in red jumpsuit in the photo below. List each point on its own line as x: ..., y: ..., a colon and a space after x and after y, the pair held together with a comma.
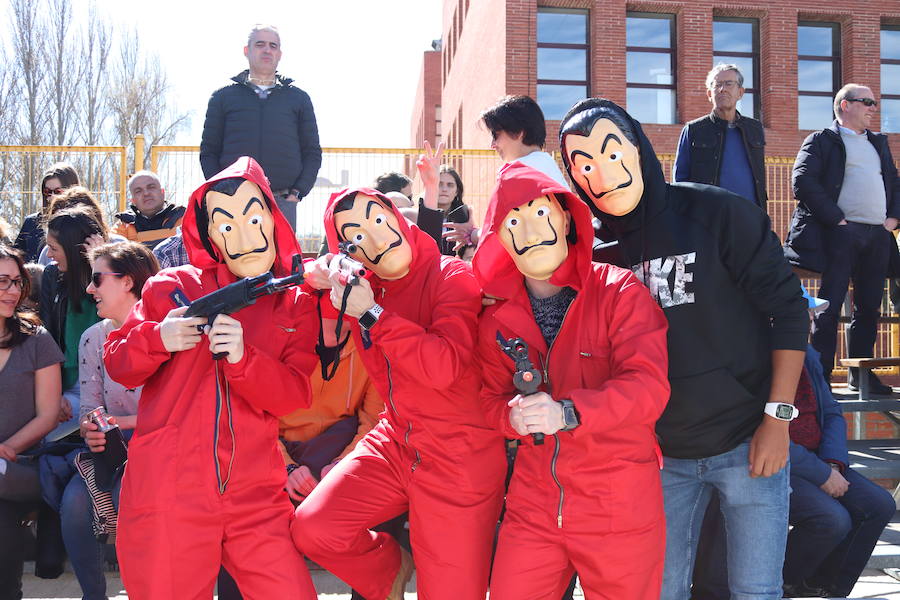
x: 414, y: 320
x: 588, y: 498
x: 204, y: 485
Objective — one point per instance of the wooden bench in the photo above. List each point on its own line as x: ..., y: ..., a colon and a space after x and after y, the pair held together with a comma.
x: 865, y: 366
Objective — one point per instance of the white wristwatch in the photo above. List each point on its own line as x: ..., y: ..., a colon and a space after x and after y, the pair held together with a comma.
x: 782, y: 411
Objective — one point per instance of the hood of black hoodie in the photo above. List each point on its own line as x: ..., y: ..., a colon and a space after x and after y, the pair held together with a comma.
x: 653, y: 200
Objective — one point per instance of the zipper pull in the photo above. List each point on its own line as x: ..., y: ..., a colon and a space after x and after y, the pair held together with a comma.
x: 559, y: 521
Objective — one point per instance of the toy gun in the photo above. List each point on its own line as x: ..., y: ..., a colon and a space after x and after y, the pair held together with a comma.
x: 239, y: 294
x: 351, y: 270
x: 527, y: 379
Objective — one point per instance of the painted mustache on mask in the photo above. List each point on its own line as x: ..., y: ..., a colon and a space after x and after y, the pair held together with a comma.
x: 618, y: 187
x: 261, y: 249
x: 551, y: 242
x: 394, y: 244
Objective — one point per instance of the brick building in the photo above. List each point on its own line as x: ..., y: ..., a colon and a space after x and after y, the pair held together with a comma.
x: 652, y: 57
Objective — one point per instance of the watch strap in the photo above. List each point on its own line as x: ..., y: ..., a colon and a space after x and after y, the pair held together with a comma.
x: 570, y: 415
x: 782, y: 411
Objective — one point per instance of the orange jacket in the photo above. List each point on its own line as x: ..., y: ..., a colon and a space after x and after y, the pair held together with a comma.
x: 348, y: 393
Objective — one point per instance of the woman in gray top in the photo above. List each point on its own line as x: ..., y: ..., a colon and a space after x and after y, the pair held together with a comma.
x: 30, y: 390
x: 118, y: 273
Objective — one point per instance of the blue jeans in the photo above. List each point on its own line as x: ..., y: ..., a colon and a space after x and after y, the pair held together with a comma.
x: 756, y: 521
x: 832, y: 538
x: 86, y: 554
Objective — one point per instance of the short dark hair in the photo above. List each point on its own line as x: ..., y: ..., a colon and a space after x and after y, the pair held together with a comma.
x: 583, y: 122
x: 22, y: 323
x: 129, y: 258
x: 71, y: 227
x: 392, y: 181
x: 517, y: 114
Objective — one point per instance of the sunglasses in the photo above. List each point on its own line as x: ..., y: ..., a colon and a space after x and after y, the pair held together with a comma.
x: 865, y: 101
x: 8, y: 282
x: 97, y: 277
x: 53, y: 192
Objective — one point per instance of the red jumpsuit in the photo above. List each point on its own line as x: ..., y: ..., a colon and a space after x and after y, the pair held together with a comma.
x: 432, y: 452
x: 589, y: 499
x: 204, y: 485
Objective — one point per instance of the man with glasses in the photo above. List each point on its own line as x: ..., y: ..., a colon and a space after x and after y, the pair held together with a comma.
x: 848, y: 200
x: 724, y: 148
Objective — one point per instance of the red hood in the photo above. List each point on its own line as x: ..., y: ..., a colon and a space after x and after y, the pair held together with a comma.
x: 421, y: 244
x: 285, y: 241
x: 517, y: 184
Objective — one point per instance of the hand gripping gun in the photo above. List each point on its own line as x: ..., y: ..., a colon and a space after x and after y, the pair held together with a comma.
x: 350, y: 269
x: 527, y: 379
x: 237, y: 295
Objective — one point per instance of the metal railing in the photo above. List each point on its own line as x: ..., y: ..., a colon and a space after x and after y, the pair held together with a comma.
x: 104, y: 170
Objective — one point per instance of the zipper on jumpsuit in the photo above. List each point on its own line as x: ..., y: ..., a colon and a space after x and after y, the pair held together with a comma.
x: 556, y: 441
x: 222, y: 483
x: 415, y: 464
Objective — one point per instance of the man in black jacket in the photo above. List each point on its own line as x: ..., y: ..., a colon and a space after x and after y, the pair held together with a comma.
x: 737, y: 333
x: 848, y: 200
x: 264, y: 116
x: 724, y: 148
x: 151, y: 219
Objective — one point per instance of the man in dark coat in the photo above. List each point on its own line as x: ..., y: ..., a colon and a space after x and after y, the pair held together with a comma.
x: 848, y: 200
x: 264, y: 116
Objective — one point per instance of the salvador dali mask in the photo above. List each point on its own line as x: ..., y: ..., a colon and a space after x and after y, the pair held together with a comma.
x: 606, y: 166
x: 373, y: 228
x: 534, y: 234
x: 243, y: 229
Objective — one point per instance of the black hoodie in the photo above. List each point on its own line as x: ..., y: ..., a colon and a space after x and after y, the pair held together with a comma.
x: 712, y: 262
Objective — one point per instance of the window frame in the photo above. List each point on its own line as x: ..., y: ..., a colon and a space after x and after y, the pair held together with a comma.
x: 586, y: 47
x: 835, y: 60
x: 887, y: 61
x: 671, y: 50
x: 753, y: 55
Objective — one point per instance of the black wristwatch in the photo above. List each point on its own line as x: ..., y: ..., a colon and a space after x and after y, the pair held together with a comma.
x: 368, y: 319
x: 570, y: 415
x: 291, y: 468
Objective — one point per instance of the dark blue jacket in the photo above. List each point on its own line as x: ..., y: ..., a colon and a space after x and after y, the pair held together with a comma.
x: 280, y: 132
x: 808, y: 464
x: 31, y: 237
x: 817, y: 179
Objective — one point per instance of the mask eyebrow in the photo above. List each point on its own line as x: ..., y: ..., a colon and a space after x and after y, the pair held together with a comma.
x: 221, y: 210
x: 370, y: 205
x: 609, y: 136
x: 581, y: 153
x: 251, y: 202
x: 345, y: 226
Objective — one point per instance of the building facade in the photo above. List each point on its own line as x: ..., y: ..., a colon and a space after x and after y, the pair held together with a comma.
x: 652, y: 57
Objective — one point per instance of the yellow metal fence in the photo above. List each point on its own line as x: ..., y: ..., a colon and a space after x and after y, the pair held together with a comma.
x: 104, y: 170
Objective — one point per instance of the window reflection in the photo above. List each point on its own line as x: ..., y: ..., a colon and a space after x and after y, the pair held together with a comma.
x: 651, y: 105
x: 814, y: 40
x: 556, y: 100
x: 732, y: 36
x: 650, y: 77
x: 815, y: 75
x: 561, y: 27
x: 559, y: 63
x: 736, y: 41
x: 814, y: 112
x: 890, y: 115
x: 890, y: 43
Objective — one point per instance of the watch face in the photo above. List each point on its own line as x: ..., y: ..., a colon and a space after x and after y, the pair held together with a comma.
x: 784, y: 411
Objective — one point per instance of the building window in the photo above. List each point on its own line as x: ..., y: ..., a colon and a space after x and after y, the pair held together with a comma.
x: 890, y: 78
x: 818, y: 72
x: 562, y: 60
x: 650, y: 60
x: 736, y: 42
x: 437, y: 125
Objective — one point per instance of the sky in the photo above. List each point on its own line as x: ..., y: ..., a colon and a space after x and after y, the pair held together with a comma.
x: 359, y: 60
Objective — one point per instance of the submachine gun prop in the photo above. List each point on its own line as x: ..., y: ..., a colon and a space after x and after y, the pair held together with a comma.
x: 527, y: 379
x: 235, y: 296
x: 351, y: 270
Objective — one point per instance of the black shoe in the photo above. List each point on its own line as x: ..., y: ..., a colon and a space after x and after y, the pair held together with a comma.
x: 876, y: 388
x: 801, y: 590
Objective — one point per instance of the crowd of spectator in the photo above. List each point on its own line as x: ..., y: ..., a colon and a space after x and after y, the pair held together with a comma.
x: 67, y: 281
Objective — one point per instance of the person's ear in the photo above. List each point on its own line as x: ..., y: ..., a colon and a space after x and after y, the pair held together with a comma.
x: 129, y: 284
x: 568, y: 221
x: 246, y: 51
